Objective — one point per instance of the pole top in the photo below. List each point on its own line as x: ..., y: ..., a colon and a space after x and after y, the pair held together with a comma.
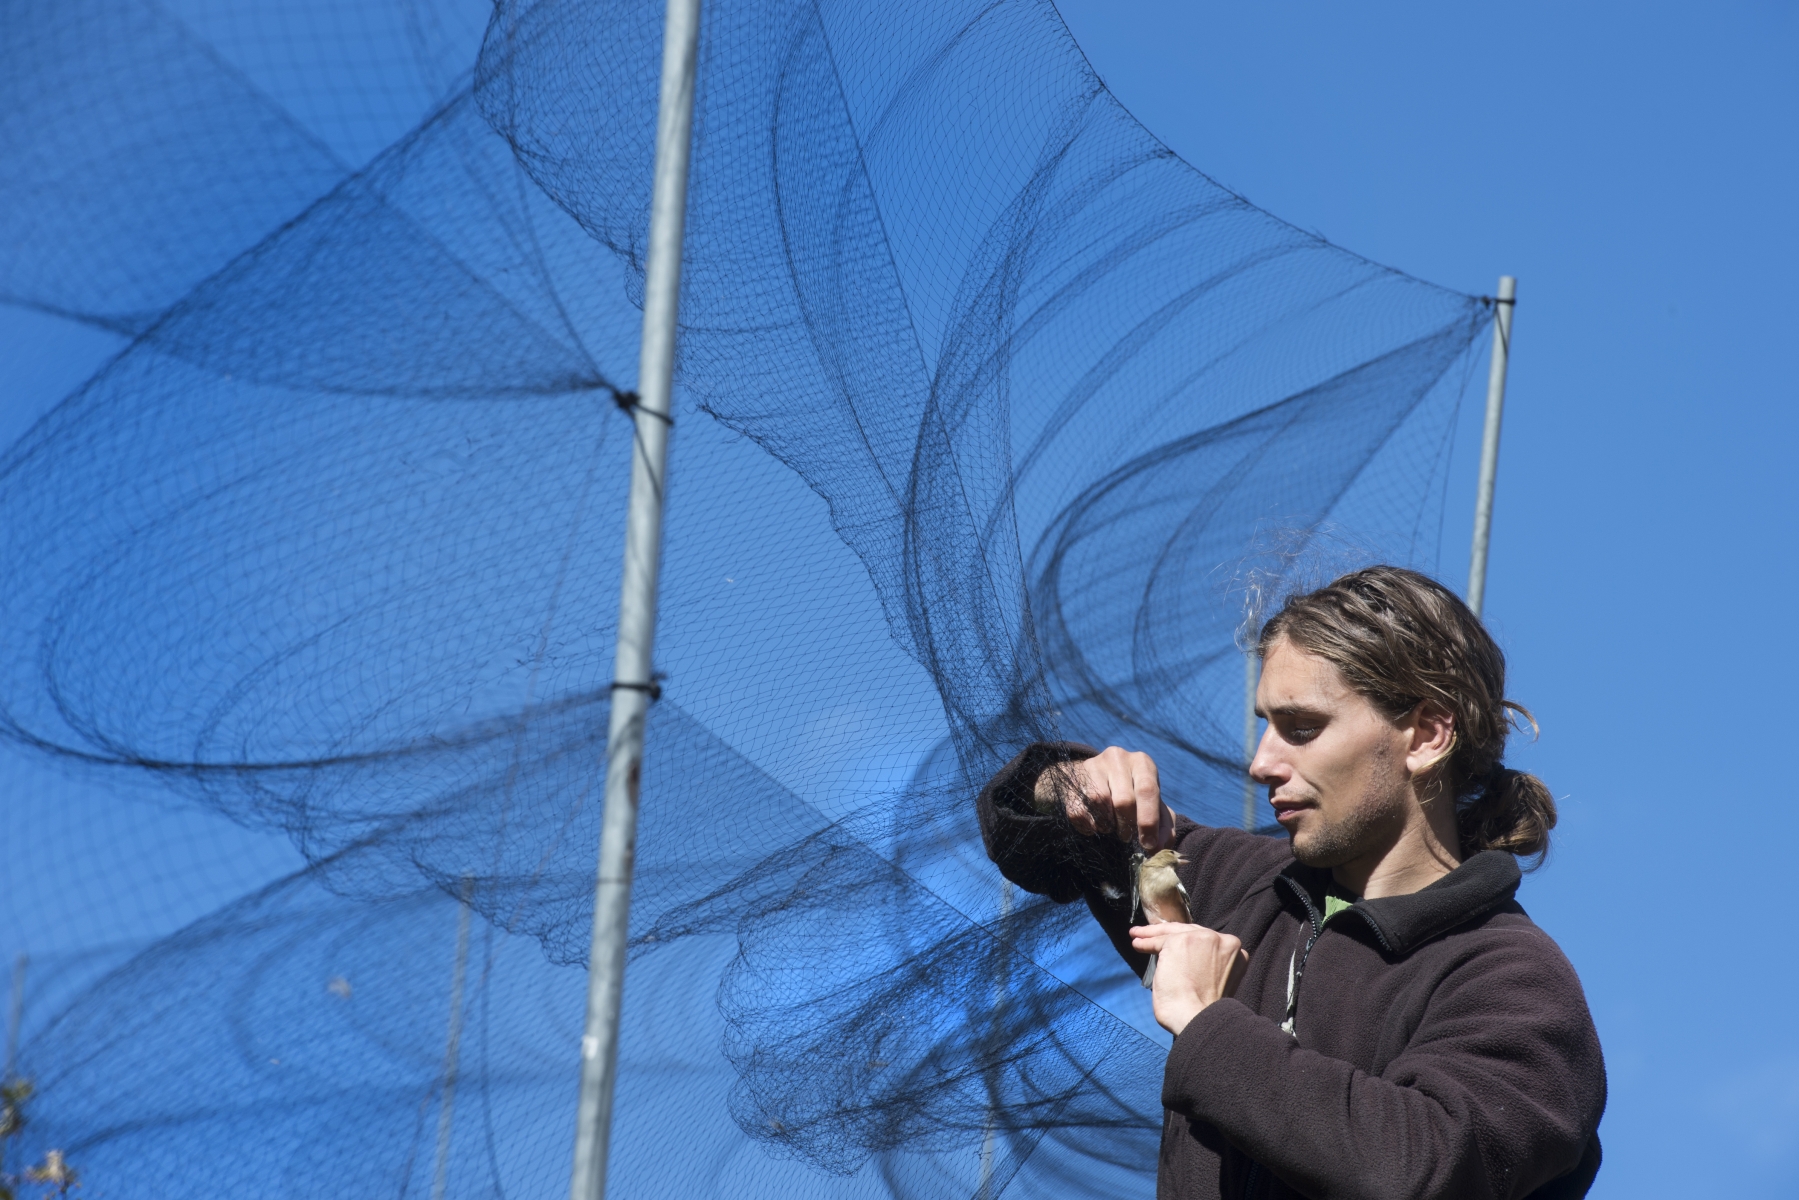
x: 1508, y: 289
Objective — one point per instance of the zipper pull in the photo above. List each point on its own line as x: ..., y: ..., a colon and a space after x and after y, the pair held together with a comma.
x: 1292, y: 994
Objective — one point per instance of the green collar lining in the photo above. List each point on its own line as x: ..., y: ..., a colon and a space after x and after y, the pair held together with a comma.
x: 1334, y: 904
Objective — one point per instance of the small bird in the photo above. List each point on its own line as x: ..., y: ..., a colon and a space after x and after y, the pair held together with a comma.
x: 1159, y: 889
x: 1161, y: 896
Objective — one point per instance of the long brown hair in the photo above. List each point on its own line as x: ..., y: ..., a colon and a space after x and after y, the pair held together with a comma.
x: 1401, y: 638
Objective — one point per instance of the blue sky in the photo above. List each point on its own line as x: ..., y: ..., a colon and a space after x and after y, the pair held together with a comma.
x: 1634, y: 167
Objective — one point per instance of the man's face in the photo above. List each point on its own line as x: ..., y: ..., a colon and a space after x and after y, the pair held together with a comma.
x: 1334, y: 765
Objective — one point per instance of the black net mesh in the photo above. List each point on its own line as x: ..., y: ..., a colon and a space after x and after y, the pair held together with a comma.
x: 990, y: 408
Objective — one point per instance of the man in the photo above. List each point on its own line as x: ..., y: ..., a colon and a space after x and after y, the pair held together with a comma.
x: 1361, y: 1009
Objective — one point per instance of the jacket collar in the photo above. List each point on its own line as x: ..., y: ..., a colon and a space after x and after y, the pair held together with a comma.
x: 1401, y: 924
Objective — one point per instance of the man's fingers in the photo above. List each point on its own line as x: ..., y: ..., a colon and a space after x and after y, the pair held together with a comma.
x: 1077, y: 796
x: 1152, y: 938
x: 1147, y: 789
x: 1113, y: 792
x: 1116, y: 792
x: 1074, y: 803
x: 1116, y: 810
x: 1063, y: 786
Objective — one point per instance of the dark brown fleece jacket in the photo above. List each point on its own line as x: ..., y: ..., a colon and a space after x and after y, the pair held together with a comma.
x: 1440, y: 1043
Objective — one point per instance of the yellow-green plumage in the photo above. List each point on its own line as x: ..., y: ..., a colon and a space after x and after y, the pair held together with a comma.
x: 1162, y: 897
x: 1159, y: 889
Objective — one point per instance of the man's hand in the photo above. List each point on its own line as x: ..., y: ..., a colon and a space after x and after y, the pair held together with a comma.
x: 1195, y: 966
x: 1116, y: 792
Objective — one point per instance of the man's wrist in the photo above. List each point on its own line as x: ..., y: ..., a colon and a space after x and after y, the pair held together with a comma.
x: 1193, y: 1024
x: 1039, y: 760
x: 1044, y: 790
x: 1182, y: 1016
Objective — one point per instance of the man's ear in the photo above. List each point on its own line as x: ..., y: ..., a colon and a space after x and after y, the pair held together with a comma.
x: 1433, y: 736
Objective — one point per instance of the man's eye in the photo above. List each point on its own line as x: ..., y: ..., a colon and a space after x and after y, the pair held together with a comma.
x: 1302, y: 733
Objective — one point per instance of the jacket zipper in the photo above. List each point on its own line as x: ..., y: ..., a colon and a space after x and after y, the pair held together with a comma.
x: 1296, y: 965
x: 1296, y: 969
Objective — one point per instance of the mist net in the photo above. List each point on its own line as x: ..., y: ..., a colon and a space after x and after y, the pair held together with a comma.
x: 988, y: 406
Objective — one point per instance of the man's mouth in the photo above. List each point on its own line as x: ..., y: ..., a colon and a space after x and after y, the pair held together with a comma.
x: 1287, y: 811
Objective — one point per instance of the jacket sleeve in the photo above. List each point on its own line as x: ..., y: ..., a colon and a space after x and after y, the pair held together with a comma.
x: 1041, y: 853
x: 1036, y: 851
x: 1497, y: 1094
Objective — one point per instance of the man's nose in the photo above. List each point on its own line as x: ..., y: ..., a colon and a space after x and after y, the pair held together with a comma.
x: 1266, y: 767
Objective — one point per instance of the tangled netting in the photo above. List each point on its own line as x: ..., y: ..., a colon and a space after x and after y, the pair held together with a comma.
x: 987, y: 405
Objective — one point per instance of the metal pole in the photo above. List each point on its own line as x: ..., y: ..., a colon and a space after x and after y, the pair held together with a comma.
x: 15, y: 1016
x: 1489, y: 440
x: 989, y: 1133
x: 440, y: 1177
x: 1250, y: 662
x: 633, y: 685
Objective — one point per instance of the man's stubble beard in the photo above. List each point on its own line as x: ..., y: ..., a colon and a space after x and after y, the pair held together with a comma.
x: 1369, y: 826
